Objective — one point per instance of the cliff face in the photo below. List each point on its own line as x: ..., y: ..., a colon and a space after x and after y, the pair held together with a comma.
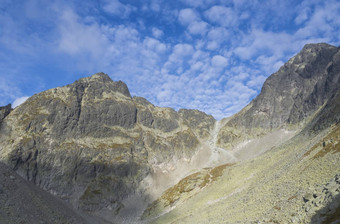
x: 90, y: 143
x: 290, y: 96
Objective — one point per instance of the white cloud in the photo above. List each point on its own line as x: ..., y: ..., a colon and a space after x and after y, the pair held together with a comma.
x: 322, y: 22
x: 8, y: 90
x: 77, y: 37
x: 116, y: 8
x: 216, y: 37
x: 157, y: 33
x: 218, y: 34
x: 154, y: 45
x: 219, y: 61
x: 187, y: 16
x: 19, y: 101
x: 262, y: 41
x: 221, y: 15
x: 256, y: 81
x: 198, y: 27
x: 155, y: 6
x: 302, y: 16
x: 182, y: 50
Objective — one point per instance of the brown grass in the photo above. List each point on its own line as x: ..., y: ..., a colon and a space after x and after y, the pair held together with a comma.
x: 187, y: 184
x: 172, y: 194
x: 292, y: 197
x: 331, y: 143
x: 277, y: 208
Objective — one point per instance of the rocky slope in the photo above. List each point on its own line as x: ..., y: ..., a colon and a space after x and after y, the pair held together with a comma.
x: 296, y: 180
x: 121, y: 158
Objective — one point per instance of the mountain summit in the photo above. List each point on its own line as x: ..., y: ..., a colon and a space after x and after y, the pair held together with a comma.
x: 121, y: 159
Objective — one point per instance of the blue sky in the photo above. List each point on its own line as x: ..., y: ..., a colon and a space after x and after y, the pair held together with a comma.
x: 201, y: 54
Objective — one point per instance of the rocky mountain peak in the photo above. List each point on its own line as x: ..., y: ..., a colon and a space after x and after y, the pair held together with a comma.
x: 317, y: 47
x: 293, y: 94
x: 101, y: 82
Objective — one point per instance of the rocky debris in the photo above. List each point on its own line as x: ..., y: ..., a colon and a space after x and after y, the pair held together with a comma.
x: 291, y: 95
x: 4, y: 111
x: 322, y: 204
x: 23, y: 202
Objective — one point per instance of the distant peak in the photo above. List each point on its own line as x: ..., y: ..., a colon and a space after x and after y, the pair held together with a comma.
x: 318, y: 46
x: 103, y: 82
x: 101, y: 76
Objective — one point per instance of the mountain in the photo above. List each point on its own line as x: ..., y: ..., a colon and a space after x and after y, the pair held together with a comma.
x: 91, y: 144
x: 290, y: 97
x: 287, y: 141
x: 119, y: 159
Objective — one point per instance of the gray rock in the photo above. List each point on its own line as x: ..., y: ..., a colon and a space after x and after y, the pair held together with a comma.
x: 297, y: 90
x: 198, y: 121
x: 22, y: 200
x: 4, y: 111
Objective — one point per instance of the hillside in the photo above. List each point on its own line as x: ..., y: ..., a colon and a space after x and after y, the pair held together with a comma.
x: 293, y: 129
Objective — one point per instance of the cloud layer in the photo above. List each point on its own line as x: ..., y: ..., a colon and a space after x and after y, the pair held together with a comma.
x: 209, y: 55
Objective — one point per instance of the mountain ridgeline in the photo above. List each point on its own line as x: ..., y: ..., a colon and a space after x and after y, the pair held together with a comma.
x: 118, y: 158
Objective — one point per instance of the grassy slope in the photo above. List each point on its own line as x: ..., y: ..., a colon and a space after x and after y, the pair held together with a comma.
x: 269, y: 188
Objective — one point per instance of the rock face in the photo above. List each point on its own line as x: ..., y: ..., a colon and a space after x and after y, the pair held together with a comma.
x: 290, y: 96
x: 23, y: 202
x: 198, y: 121
x: 4, y: 111
x: 91, y: 144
